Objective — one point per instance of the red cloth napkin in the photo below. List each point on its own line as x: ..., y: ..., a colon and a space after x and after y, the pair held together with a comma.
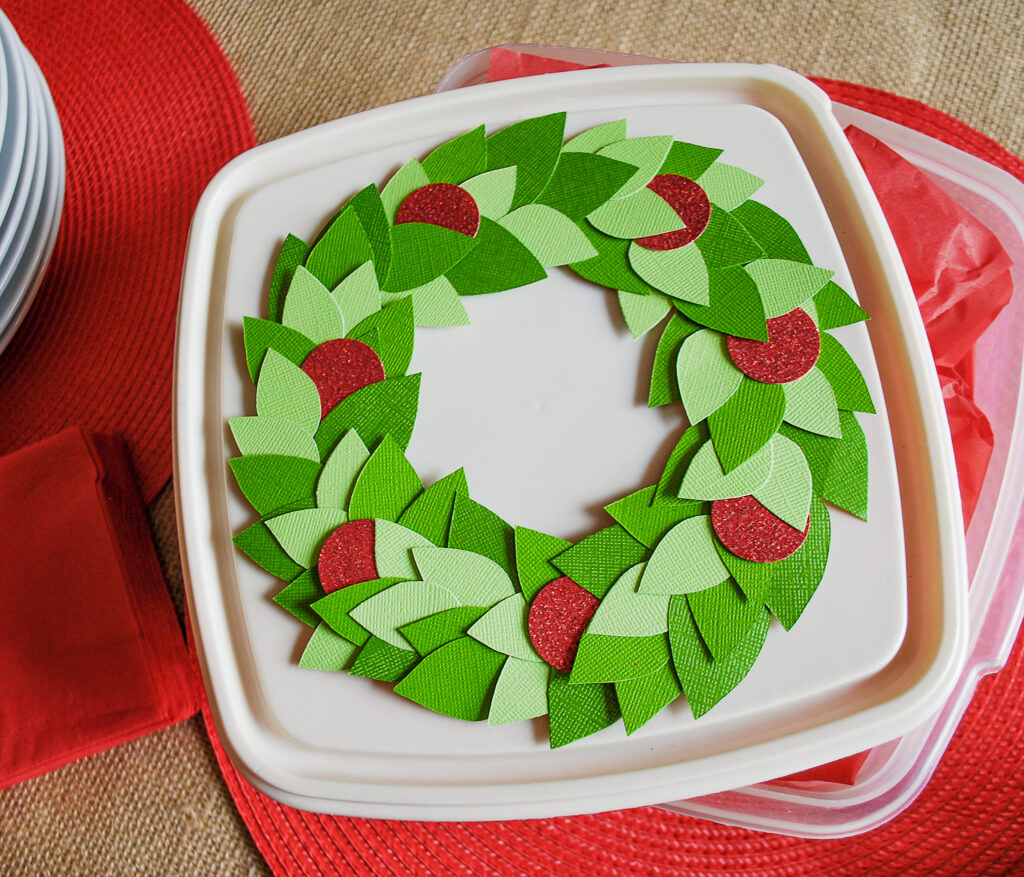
x: 91, y: 654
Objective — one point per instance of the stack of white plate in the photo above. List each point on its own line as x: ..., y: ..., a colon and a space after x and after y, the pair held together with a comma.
x: 31, y: 179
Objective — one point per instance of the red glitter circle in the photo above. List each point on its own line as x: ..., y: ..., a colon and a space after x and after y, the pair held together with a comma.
x: 441, y: 204
x: 339, y: 368
x: 348, y: 556
x: 752, y: 532
x: 789, y: 353
x: 689, y: 201
x: 559, y: 614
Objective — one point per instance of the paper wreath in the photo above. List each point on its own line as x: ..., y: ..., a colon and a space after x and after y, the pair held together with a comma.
x: 426, y: 588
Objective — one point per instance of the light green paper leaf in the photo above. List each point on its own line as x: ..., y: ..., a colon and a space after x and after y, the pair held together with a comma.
x: 273, y: 435
x: 340, y: 471
x: 406, y: 181
x: 302, y: 533
x: 358, y: 295
x: 504, y: 629
x: 646, y: 153
x: 706, y: 374
x: 285, y: 390
x: 787, y: 492
x: 393, y: 546
x: 727, y: 185
x: 785, y: 285
x: 493, y: 191
x: 705, y: 479
x: 625, y: 612
x: 643, y: 312
x: 681, y: 273
x: 552, y: 237
x: 326, y: 650
x: 638, y: 215
x: 475, y: 580
x: 401, y: 604
x: 434, y: 304
x: 594, y: 139
x: 811, y: 404
x: 520, y: 693
x: 685, y: 560
x: 335, y: 607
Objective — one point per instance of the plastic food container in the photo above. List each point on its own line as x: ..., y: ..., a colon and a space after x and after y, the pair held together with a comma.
x: 840, y: 682
x: 897, y: 771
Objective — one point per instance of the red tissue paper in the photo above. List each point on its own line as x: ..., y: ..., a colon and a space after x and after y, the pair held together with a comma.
x: 91, y: 653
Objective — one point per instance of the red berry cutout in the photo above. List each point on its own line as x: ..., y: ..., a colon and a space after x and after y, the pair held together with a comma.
x: 348, y: 556
x: 339, y: 368
x: 789, y: 353
x: 443, y: 204
x: 689, y: 201
x: 750, y: 531
x: 558, y: 616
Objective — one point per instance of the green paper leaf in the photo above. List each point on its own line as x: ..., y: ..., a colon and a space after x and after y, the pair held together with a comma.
x: 386, y: 485
x: 610, y: 267
x: 582, y: 182
x: 681, y: 273
x: 421, y: 252
x: 262, y: 335
x: 752, y: 577
x: 836, y: 308
x: 499, y: 262
x: 382, y: 661
x: 667, y: 491
x: 727, y: 185
x: 285, y: 390
x: 645, y: 522
x: 431, y: 512
x: 689, y: 160
x: 839, y: 466
x: 642, y: 698
x: 706, y: 681
x: 596, y: 562
x: 520, y: 693
x: 533, y: 146
x: 578, y: 711
x: 811, y: 404
x: 533, y: 554
x: 293, y: 253
x: 705, y: 374
x: 434, y: 631
x: 403, y: 603
x: 613, y: 658
x: 476, y: 528
x: 625, y: 612
x: 744, y: 424
x: 395, y: 325
x: 598, y: 137
x: 784, y: 285
x: 339, y: 473
x: 384, y: 408
x: 341, y: 248
x: 271, y: 482
x: 638, y: 215
x: 503, y: 629
x: 358, y: 295
x: 646, y: 154
x: 774, y: 234
x: 458, y: 159
x: 724, y: 617
x: 327, y: 651
x: 735, y: 305
x: 795, y: 579
x: 406, y: 180
x: 493, y: 191
x: 685, y: 560
x: 393, y: 546
x: 298, y: 596
x: 705, y: 479
x: 643, y: 312
x: 257, y: 542
x: 376, y: 223
x: 455, y: 680
x: 551, y: 237
x: 334, y: 609
x: 273, y: 435
x: 787, y: 491
x: 302, y: 533
x: 725, y: 242
x: 850, y: 390
x: 664, y: 381
x: 475, y: 580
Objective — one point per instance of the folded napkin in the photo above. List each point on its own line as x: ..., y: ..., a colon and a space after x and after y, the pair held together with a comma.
x: 91, y: 653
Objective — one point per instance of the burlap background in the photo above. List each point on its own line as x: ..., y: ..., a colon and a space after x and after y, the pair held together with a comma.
x: 157, y: 806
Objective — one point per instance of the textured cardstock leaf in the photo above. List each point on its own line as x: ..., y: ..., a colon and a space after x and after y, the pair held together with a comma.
x: 647, y: 523
x: 340, y: 470
x: 259, y: 544
x: 643, y: 312
x: 358, y: 295
x: 744, y: 424
x: 499, y: 262
x: 455, y: 680
x: 705, y: 479
x: 533, y: 146
x: 836, y: 308
x: 680, y: 273
x: 552, y: 237
x: 403, y: 603
x: 458, y: 159
x: 327, y: 651
x: 638, y: 215
x: 271, y: 481
x: 846, y: 484
x: 727, y: 185
x: 475, y: 580
x: 705, y: 374
x: 395, y: 326
x: 685, y: 560
x: 298, y: 596
x: 626, y: 612
x: 752, y: 577
x: 848, y: 386
x: 598, y: 137
x: 725, y: 242
x: 334, y: 609
x: 375, y: 221
x: 393, y: 547
x: 476, y: 528
x: 647, y: 154
x: 434, y: 304
x: 493, y: 191
x: 293, y: 253
x: 503, y: 629
x: 667, y: 491
x: 774, y: 234
x: 285, y: 390
x: 581, y: 182
x: 811, y: 404
x: 664, y: 373
x: 614, y: 658
x: 784, y: 285
x: 421, y: 252
x: 386, y: 485
x: 262, y: 335
x: 302, y: 533
x: 273, y: 435
x: 610, y: 267
x: 577, y: 711
x: 735, y: 307
x: 382, y: 661
x: 795, y: 579
x: 380, y: 409
x: 430, y: 514
x: 688, y: 159
x: 787, y: 491
x: 533, y: 554
x: 434, y: 631
x: 642, y: 698
x: 724, y: 617
x: 343, y: 247
x: 406, y: 180
x: 596, y: 562
x: 520, y: 693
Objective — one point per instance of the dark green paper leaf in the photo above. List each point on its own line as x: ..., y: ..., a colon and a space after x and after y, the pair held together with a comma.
x: 735, y: 305
x: 667, y: 491
x: 385, y: 408
x: 270, y: 481
x: 647, y: 523
x: 595, y: 562
x: 342, y: 247
x: 577, y: 711
x: 395, y: 328
x: 724, y: 617
x: 434, y: 631
x: 534, y: 551
x: 500, y: 261
x: 611, y: 266
x: 847, y: 382
x: 263, y: 549
x: 455, y: 680
x: 776, y: 236
x: 459, y: 159
x: 604, y: 658
x: 263, y: 335
x: 641, y: 699
x: 293, y: 253
x: 421, y: 252
x: 835, y: 308
x: 688, y: 159
x: 725, y: 242
x: 795, y: 579
x: 744, y: 424
x: 334, y: 609
x: 582, y: 182
x: 430, y: 514
x: 370, y: 210
x: 386, y: 485
x: 664, y: 383
x: 299, y: 595
x: 476, y: 528
x: 533, y: 146
x: 382, y: 661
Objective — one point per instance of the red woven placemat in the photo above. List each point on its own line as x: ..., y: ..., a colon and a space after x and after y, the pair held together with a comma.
x: 151, y: 110
x: 969, y: 820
